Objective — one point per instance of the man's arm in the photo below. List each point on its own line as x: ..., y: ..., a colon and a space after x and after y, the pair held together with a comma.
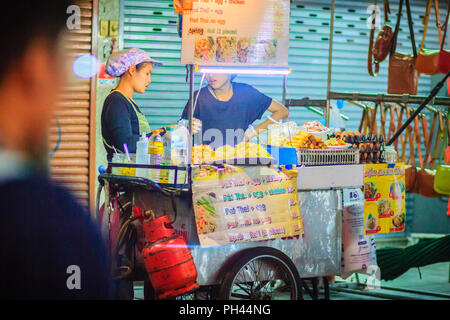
x: 279, y: 112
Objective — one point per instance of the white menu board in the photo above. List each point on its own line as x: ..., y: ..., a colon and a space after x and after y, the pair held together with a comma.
x: 236, y: 33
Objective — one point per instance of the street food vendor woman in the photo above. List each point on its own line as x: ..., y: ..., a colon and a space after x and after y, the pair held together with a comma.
x: 225, y: 109
x: 122, y: 121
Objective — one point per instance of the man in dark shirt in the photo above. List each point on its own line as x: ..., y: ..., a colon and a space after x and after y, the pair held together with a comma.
x: 226, y: 109
x: 49, y: 246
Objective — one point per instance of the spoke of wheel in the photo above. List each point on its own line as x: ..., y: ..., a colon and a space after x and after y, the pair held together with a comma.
x: 259, y: 269
x: 241, y: 296
x: 261, y: 285
x: 253, y: 269
x: 244, y: 289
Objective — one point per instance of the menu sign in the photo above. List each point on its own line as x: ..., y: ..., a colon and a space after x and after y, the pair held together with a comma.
x: 384, y: 192
x: 239, y: 204
x: 236, y: 32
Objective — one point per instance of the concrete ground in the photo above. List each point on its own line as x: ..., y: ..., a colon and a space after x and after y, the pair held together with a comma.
x: 432, y: 282
x: 435, y: 280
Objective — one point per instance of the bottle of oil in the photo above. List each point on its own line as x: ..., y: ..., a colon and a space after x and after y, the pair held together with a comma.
x: 155, y: 149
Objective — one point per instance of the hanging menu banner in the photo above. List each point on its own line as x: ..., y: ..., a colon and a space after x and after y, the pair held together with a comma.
x: 239, y: 204
x: 384, y: 192
x: 236, y: 33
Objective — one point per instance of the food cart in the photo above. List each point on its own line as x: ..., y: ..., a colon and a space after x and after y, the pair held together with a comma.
x: 249, y: 269
x: 275, y: 267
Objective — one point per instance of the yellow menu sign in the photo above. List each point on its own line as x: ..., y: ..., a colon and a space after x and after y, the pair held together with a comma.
x: 238, y: 204
x: 384, y: 192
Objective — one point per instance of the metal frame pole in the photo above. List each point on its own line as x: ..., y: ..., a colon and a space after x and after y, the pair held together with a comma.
x: 330, y: 62
x: 191, y: 112
x: 284, y: 90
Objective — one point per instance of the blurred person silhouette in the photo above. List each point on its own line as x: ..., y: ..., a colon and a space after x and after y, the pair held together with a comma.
x: 49, y: 246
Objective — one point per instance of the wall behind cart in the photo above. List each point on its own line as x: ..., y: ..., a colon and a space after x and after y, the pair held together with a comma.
x: 152, y: 26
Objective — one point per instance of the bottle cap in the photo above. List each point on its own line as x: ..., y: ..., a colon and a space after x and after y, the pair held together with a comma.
x: 155, y: 132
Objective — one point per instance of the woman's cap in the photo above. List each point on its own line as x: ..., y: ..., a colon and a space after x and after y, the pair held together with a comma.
x: 119, y: 62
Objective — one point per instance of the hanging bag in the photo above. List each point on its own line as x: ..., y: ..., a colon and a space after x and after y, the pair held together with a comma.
x: 373, y: 121
x: 399, y: 111
x: 442, y: 176
x: 365, y: 124
x: 403, y: 77
x: 383, y: 120
x: 404, y: 143
x: 391, y: 130
x: 440, y: 131
x: 428, y: 60
x: 418, y: 139
x: 410, y: 167
x: 425, y: 177
x: 444, y: 55
x: 383, y: 42
x: 380, y: 50
x: 370, y: 56
x: 430, y: 139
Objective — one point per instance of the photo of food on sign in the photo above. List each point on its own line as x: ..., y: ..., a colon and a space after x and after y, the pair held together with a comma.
x: 384, y: 208
x: 250, y: 50
x: 267, y: 50
x: 398, y: 221
x: 234, y: 50
x: 205, y: 49
x: 371, y: 222
x: 370, y: 191
x: 206, y: 215
x: 226, y: 49
x: 245, y: 49
x: 396, y: 190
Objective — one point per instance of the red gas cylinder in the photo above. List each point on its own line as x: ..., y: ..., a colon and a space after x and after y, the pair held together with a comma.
x: 168, y: 261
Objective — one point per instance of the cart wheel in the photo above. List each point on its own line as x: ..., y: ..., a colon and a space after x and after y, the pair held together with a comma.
x: 262, y: 273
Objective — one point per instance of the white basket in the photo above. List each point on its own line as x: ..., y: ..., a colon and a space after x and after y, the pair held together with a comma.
x: 321, y: 157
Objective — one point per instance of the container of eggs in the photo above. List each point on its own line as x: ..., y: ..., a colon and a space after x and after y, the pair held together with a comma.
x: 371, y: 146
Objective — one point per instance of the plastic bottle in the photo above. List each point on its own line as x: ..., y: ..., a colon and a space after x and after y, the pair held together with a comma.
x: 155, y: 150
x: 142, y: 156
x: 180, y: 139
x: 167, y: 143
x: 118, y: 159
x: 167, y: 176
x: 336, y: 121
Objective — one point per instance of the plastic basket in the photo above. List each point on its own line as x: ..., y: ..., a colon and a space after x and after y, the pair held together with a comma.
x: 322, y: 157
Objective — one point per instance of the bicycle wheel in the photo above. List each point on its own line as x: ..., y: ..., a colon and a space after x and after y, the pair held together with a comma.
x: 262, y: 273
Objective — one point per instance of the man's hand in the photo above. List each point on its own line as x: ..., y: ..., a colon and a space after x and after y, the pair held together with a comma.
x: 196, y: 125
x: 249, y: 134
